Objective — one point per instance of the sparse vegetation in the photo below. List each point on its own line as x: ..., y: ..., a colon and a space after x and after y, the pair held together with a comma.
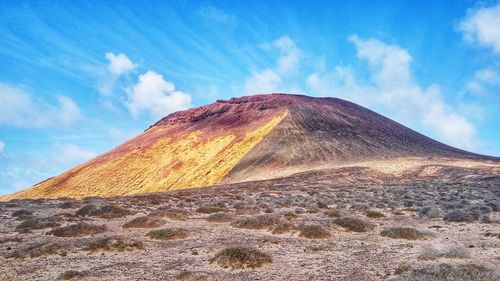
x: 192, y: 276
x: 144, y: 222
x: 37, y: 223
x: 116, y: 244
x: 22, y: 213
x: 70, y: 274
x: 446, y: 272
x: 220, y: 217
x: 460, y: 216
x: 453, y: 252
x: 429, y: 212
x: 354, y: 224
x: 404, y: 233
x: 333, y: 213
x: 239, y: 257
x: 289, y: 215
x: 257, y: 222
x: 102, y: 211
x: 77, y: 230
x: 168, y: 234
x: 314, y: 232
x: 69, y: 205
x: 283, y: 227
x: 374, y: 214
x: 173, y: 214
x: 210, y: 209
x: 40, y: 249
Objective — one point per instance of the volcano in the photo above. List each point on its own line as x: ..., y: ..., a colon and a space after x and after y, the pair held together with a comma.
x: 246, y: 139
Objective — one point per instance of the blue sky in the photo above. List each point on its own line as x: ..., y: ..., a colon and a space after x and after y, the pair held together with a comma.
x: 76, y: 79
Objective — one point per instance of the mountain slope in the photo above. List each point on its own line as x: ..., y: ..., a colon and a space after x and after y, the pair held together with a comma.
x: 241, y: 139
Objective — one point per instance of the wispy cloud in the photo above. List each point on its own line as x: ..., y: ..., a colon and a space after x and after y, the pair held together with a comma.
x: 2, y: 147
x: 68, y: 155
x: 20, y: 108
x: 482, y: 27
x: 273, y: 79
x: 484, y: 81
x: 23, y: 170
x: 215, y: 14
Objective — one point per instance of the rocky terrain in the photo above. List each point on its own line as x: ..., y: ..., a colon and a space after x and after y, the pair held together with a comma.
x: 349, y: 223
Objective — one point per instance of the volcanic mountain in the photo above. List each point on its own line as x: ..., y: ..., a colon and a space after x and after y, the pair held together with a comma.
x: 244, y: 139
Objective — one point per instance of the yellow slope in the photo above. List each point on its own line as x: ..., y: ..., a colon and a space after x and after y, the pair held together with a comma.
x: 176, y: 162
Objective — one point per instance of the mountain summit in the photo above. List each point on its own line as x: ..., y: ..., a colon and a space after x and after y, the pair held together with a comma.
x: 244, y: 139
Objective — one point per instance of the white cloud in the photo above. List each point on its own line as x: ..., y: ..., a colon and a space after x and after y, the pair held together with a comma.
x: 19, y: 108
x: 119, y: 64
x: 155, y: 96
x: 264, y: 81
x: 270, y: 80
x: 69, y: 155
x: 483, y: 81
x: 482, y: 27
x: 289, y: 57
x: 392, y: 89
x: 2, y: 147
x: 217, y: 15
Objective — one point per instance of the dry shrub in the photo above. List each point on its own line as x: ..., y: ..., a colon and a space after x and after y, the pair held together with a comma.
x: 333, y: 213
x: 460, y: 216
x: 289, y: 215
x: 168, y: 234
x: 144, y: 222
x: 404, y: 233
x: 69, y: 205
x: 37, y: 223
x: 453, y: 252
x: 77, y: 230
x: 22, y: 213
x: 446, y: 272
x: 220, y: 217
x: 238, y: 257
x: 38, y: 250
x: 15, y: 239
x: 354, y: 224
x: 70, y: 274
x: 283, y: 227
x: 173, y: 214
x: 105, y: 211
x: 114, y: 244
x: 374, y: 214
x: 210, y: 209
x: 257, y: 222
x: 192, y: 276
x: 314, y: 232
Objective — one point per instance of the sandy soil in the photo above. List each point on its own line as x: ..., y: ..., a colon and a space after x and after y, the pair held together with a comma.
x: 346, y: 255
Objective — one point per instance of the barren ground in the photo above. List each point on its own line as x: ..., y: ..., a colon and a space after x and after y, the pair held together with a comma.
x: 457, y: 217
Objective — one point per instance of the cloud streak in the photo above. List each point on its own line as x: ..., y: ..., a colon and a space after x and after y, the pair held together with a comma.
x: 19, y: 108
x: 272, y: 80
